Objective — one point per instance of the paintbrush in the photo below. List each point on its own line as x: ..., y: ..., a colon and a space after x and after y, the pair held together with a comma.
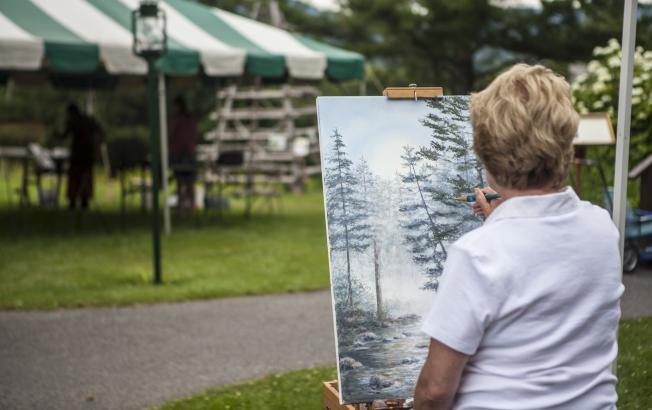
x: 471, y: 197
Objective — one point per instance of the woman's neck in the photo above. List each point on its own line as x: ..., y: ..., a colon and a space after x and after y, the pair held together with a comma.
x: 506, y: 193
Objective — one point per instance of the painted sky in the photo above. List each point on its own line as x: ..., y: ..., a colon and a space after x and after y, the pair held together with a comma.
x: 374, y: 127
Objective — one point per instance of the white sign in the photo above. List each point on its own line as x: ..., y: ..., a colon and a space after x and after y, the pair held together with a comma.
x: 595, y: 129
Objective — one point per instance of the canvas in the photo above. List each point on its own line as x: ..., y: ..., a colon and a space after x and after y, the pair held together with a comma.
x: 390, y: 172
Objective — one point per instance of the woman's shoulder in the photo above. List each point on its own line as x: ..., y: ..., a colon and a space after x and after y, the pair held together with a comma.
x: 596, y: 218
x: 478, y: 236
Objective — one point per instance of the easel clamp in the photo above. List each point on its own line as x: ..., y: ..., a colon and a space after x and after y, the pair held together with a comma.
x: 412, y: 92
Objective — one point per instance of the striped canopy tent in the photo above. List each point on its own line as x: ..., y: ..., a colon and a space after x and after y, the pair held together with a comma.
x: 87, y: 37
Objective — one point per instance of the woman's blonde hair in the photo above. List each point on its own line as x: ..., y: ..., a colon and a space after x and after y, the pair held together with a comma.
x: 523, y: 127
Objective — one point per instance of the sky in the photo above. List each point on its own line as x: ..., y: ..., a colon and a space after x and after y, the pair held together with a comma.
x: 373, y: 127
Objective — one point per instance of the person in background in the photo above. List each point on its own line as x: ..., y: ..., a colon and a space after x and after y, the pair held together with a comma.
x: 85, y: 132
x: 183, y: 145
x: 526, y: 313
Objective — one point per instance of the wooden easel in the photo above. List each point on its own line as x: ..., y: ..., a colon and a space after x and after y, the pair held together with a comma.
x: 332, y: 398
x: 412, y: 92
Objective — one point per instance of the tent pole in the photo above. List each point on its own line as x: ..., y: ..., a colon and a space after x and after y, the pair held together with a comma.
x: 90, y: 101
x: 162, y: 107
x: 624, y: 117
x: 90, y: 110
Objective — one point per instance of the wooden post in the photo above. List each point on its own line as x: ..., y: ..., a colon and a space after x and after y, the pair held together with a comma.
x: 24, y: 189
x: 646, y: 190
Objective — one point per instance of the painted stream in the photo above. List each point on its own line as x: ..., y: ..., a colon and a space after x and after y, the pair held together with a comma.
x: 386, y: 360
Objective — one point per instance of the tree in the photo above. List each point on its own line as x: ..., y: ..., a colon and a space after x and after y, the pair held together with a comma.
x: 437, y: 173
x: 450, y: 153
x: 347, y: 227
x: 370, y: 203
x: 424, y: 234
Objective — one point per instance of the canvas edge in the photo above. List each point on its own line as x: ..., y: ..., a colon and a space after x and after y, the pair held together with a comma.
x: 328, y: 246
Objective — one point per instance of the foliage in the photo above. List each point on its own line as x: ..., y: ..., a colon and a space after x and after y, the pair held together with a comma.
x: 597, y: 90
x: 302, y: 389
x: 440, y: 42
x: 55, y: 258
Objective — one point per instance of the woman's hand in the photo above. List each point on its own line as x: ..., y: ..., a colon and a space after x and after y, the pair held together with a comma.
x: 481, y: 206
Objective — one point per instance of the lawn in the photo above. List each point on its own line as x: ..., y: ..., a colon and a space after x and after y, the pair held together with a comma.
x: 302, y: 389
x: 57, y: 258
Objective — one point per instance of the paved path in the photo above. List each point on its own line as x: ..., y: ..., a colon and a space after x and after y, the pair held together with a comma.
x: 133, y: 357
x: 637, y: 300
x: 130, y: 358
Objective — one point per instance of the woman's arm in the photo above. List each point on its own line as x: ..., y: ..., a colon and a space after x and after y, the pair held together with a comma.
x: 439, y: 378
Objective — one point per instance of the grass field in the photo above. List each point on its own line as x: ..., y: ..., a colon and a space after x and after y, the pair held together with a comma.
x: 57, y: 258
x: 302, y: 389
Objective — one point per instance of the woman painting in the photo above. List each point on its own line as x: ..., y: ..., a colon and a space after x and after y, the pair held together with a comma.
x: 526, y: 314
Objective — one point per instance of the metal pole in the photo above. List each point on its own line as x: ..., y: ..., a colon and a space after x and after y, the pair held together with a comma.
x: 362, y: 87
x: 155, y: 157
x: 90, y: 101
x: 162, y: 107
x: 624, y: 117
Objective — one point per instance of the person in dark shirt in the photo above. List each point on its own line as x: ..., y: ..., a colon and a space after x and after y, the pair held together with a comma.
x: 83, y: 129
x: 183, y: 144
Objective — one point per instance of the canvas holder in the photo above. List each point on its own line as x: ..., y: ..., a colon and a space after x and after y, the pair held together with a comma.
x: 331, y: 393
x: 412, y: 92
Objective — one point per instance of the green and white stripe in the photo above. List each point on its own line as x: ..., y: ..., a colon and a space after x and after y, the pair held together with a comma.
x: 87, y: 36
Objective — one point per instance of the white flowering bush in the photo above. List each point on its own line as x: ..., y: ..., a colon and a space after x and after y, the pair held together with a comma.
x: 596, y: 90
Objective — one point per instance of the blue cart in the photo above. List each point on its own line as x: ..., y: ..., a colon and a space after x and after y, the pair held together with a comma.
x: 638, y: 236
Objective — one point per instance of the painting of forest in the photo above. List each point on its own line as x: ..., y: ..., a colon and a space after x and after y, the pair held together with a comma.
x: 390, y: 171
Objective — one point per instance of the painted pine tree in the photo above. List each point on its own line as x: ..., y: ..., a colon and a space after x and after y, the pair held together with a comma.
x: 424, y: 230
x: 450, y: 152
x: 347, y: 227
x: 369, y: 198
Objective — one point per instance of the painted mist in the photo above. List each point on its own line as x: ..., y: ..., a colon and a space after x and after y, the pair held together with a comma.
x: 390, y: 171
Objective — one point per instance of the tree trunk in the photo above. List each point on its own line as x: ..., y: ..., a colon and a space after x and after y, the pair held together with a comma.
x: 348, y: 267
x: 380, y: 314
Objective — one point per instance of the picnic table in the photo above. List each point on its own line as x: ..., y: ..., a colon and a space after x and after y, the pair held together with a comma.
x: 44, y: 161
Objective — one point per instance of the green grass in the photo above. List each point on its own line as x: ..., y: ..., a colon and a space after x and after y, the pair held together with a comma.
x: 57, y: 258
x: 635, y: 364
x: 302, y: 389
x: 295, y: 390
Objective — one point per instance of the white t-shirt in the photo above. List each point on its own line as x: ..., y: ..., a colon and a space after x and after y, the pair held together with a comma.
x: 533, y: 297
